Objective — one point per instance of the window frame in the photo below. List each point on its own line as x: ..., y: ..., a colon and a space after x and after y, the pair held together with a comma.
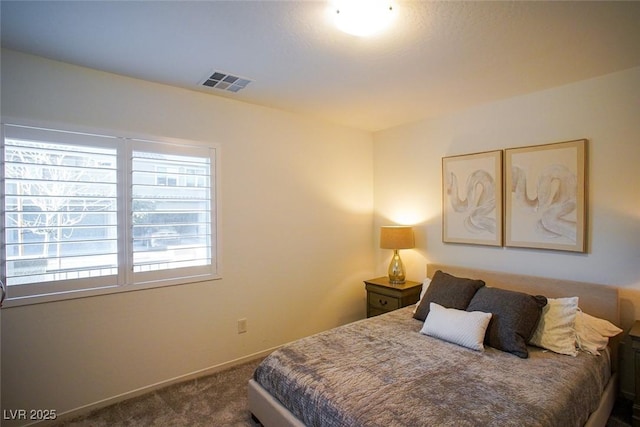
x: 125, y: 280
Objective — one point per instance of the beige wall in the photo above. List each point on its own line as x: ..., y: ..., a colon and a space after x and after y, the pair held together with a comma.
x: 297, y: 202
x: 606, y: 111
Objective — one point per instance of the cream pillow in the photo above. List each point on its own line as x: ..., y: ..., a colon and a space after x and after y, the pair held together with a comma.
x: 556, y: 328
x: 425, y: 285
x: 465, y: 328
x: 592, y: 333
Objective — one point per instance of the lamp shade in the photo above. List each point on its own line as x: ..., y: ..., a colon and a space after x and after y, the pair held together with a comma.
x: 396, y: 237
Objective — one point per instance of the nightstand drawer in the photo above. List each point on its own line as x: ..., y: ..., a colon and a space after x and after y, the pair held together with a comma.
x: 383, y: 297
x: 383, y: 302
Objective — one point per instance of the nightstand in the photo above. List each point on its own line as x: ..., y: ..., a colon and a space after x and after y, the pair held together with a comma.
x: 383, y: 296
x: 634, y: 334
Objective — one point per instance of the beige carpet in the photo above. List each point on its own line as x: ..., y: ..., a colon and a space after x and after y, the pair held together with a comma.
x: 217, y: 400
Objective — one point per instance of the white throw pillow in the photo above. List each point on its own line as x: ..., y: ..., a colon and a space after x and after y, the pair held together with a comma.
x: 593, y: 333
x: 465, y: 328
x: 556, y: 328
x: 425, y: 285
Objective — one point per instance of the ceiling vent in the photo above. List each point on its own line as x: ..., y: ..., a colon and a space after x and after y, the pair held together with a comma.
x: 223, y: 81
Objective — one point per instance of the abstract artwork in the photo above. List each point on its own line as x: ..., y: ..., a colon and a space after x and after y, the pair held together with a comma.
x: 545, y: 198
x: 472, y: 198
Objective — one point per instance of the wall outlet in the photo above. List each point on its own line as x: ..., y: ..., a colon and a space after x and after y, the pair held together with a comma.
x: 242, y: 326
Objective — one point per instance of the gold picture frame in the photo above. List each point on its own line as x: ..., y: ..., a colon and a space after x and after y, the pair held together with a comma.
x: 472, y: 198
x: 546, y: 196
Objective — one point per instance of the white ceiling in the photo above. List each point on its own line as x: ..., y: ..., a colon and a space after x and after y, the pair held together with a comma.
x: 438, y: 57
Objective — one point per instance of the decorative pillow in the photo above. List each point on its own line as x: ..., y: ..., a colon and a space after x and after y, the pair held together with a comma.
x: 425, y: 285
x: 448, y: 291
x: 515, y: 317
x: 593, y: 333
x: 457, y: 326
x: 556, y: 328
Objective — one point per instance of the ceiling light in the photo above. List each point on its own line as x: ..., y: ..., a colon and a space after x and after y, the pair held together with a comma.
x: 362, y: 17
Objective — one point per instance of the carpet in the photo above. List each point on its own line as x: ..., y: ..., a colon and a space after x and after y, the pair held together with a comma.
x: 215, y: 400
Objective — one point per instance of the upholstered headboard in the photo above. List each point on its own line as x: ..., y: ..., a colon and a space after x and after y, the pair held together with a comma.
x: 597, y: 300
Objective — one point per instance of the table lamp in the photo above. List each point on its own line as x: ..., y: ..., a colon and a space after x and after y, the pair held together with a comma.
x: 396, y: 237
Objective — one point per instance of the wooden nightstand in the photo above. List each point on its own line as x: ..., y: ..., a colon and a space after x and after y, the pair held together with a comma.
x: 634, y: 334
x: 383, y: 297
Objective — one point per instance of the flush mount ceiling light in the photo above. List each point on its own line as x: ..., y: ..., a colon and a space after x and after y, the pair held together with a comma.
x: 362, y: 17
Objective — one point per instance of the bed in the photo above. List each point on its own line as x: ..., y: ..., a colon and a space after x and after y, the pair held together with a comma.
x: 383, y: 371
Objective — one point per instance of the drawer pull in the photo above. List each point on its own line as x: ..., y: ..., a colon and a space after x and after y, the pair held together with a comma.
x: 382, y: 302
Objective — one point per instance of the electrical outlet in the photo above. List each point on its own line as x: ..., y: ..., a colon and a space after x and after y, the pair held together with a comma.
x: 242, y: 326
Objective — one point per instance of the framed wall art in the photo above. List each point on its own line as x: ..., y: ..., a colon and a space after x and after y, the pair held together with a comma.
x: 545, y: 200
x: 472, y: 198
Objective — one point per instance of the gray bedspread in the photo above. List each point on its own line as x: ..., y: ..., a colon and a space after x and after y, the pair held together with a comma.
x: 383, y: 372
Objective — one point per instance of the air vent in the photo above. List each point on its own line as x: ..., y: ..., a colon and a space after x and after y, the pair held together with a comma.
x: 223, y: 81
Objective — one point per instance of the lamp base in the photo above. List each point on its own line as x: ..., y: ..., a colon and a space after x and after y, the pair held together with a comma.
x: 396, y: 269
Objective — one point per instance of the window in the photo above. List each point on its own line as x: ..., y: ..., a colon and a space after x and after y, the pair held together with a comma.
x: 87, y: 214
x: 166, y: 176
x: 168, y: 219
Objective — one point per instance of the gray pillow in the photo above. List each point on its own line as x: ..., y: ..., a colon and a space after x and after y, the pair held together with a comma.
x: 515, y: 316
x: 448, y: 291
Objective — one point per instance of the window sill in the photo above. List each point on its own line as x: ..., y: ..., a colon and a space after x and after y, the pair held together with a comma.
x: 88, y: 293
